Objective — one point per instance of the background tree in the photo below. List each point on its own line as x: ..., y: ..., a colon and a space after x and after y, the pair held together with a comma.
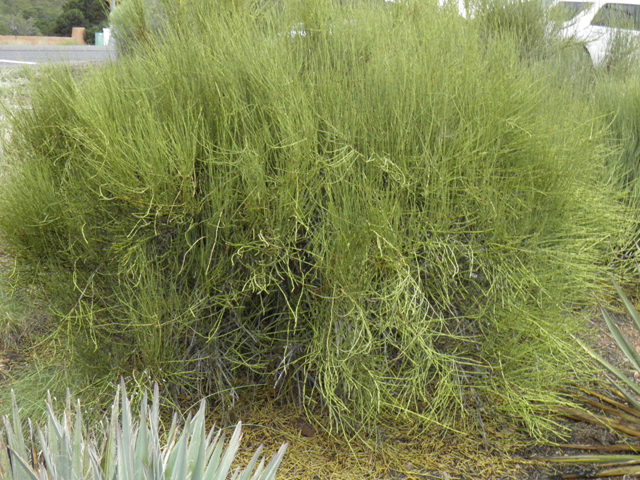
x: 17, y: 25
x: 67, y: 20
x: 28, y: 17
x: 90, y: 14
x: 43, y: 17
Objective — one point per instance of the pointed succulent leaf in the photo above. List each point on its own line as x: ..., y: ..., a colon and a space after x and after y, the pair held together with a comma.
x: 29, y: 474
x: 126, y: 438
x: 18, y: 444
x: 8, y: 469
x: 155, y: 406
x: 33, y: 454
x: 189, y: 455
x: 196, y: 442
x: 62, y: 458
x: 270, y: 472
x: 628, y: 305
x: 621, y: 376
x: 622, y: 341
x: 8, y: 430
x: 5, y: 466
x: 236, y: 474
x: 173, y: 429
x: 213, y: 445
x: 155, y: 459
x: 214, y: 458
x: 229, y: 453
x: 95, y: 464
x: 259, y: 470
x: 252, y: 463
x: 46, y: 449
x: 53, y: 433
x: 179, y: 449
x: 142, y: 444
x: 180, y: 460
x: 627, y: 395
x: 16, y: 467
x: 109, y: 460
x: 67, y: 413
x: 198, y: 446
x: 57, y: 429
x: 78, y: 444
x: 171, y: 439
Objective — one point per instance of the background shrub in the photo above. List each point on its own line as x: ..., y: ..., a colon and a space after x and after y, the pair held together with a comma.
x: 616, y: 99
x: 375, y: 213
x: 525, y: 22
x: 135, y: 21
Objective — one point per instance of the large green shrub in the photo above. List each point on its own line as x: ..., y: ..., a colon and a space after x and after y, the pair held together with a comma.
x: 363, y: 206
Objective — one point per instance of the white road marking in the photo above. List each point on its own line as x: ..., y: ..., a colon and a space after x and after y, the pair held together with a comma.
x: 16, y: 61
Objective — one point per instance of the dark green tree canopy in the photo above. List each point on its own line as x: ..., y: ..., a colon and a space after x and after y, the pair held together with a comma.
x: 94, y: 11
x: 91, y: 14
x: 67, y: 20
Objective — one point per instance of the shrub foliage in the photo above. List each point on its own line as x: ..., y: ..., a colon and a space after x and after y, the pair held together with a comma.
x: 366, y: 206
x: 135, y: 21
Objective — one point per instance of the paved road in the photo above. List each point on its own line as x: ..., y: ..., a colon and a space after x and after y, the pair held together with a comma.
x: 12, y: 55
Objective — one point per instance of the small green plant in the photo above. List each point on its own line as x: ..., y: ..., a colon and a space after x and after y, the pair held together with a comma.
x: 130, y: 450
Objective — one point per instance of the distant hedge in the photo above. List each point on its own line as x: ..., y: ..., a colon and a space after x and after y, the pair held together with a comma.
x: 362, y: 206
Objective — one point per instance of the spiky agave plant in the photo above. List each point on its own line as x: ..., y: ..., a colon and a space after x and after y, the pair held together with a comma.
x: 619, y: 409
x: 130, y: 450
